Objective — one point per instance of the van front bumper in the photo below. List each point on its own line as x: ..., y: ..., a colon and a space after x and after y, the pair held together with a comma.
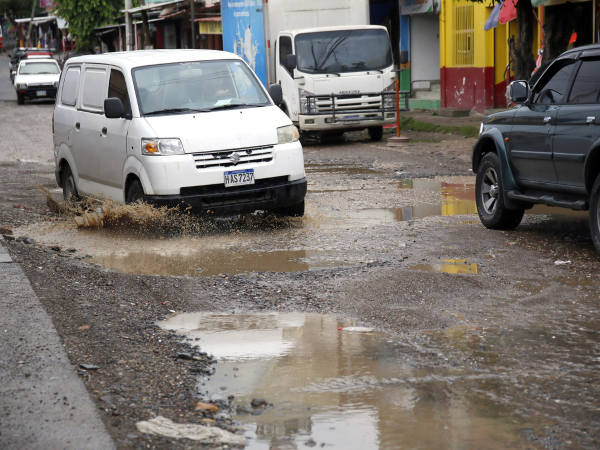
x: 265, y: 194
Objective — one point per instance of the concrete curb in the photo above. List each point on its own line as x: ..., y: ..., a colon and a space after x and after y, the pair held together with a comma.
x: 43, y: 403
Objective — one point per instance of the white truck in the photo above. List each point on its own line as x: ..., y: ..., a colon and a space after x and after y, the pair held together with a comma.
x: 335, y: 70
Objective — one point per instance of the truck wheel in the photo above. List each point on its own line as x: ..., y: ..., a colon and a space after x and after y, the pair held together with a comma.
x: 376, y: 133
x: 595, y: 213
x: 296, y: 210
x: 135, y: 193
x: 20, y: 99
x: 490, y: 197
x: 70, y: 192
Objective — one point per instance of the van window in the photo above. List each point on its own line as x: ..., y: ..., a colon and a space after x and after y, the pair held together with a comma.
x: 93, y: 89
x: 118, y: 88
x: 69, y: 89
x: 285, y: 48
x: 586, y: 87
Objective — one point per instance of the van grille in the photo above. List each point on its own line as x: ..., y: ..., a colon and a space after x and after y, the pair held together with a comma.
x: 227, y: 158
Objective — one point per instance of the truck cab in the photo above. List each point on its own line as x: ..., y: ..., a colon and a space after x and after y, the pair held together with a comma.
x: 337, y: 79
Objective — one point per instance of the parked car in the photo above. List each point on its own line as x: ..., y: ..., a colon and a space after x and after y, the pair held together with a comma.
x: 545, y: 150
x: 18, y: 54
x: 36, y: 78
x: 176, y: 128
x: 72, y: 54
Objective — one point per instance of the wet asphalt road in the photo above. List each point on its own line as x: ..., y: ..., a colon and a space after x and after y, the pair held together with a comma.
x: 501, y: 322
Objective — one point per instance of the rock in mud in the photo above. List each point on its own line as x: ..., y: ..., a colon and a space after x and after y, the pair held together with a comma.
x: 310, y: 443
x: 5, y: 230
x: 258, y: 402
x: 201, y: 406
x: 184, y: 355
x: 88, y: 367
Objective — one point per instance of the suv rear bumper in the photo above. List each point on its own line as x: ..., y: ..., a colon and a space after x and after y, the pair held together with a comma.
x: 265, y: 194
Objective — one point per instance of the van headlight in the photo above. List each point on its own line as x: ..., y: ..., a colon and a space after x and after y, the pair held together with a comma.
x: 287, y: 134
x: 162, y: 147
x: 307, y: 105
x: 21, y: 85
x: 389, y: 101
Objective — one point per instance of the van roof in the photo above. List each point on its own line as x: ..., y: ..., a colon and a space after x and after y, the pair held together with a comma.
x: 138, y: 58
x: 334, y: 28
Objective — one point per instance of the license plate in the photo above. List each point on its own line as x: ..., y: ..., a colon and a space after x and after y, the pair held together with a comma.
x: 41, y: 93
x: 350, y: 119
x: 239, y: 177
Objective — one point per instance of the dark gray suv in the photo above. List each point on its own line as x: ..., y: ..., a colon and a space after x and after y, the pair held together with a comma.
x: 547, y: 148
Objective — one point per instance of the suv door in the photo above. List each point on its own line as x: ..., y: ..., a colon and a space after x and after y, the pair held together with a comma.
x: 533, y: 128
x: 578, y: 125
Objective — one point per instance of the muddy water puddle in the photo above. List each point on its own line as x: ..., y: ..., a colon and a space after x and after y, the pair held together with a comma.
x: 339, y: 389
x: 449, y: 266
x: 342, y: 169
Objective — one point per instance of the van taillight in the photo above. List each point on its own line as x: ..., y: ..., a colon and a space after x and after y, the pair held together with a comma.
x: 52, y: 122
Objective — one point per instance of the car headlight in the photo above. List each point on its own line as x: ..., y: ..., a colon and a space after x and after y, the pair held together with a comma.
x: 307, y: 105
x: 287, y: 134
x: 481, y: 128
x: 21, y: 85
x: 162, y: 147
x: 389, y: 101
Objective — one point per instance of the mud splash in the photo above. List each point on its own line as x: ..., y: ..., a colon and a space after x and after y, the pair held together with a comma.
x: 338, y: 389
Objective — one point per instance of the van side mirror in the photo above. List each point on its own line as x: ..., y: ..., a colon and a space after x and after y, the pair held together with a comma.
x: 290, y: 62
x: 519, y: 91
x: 276, y: 93
x: 14, y: 72
x: 113, y: 108
x: 404, y: 57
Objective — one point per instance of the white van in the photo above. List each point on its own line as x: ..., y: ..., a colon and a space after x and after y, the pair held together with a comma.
x: 176, y: 127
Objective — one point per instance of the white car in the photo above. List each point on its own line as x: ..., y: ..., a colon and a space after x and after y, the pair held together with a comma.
x: 176, y: 128
x: 36, y: 78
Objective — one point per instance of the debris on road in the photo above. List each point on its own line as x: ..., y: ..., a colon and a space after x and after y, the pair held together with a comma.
x: 561, y: 263
x: 200, y: 406
x: 88, y: 367
x: 161, y: 426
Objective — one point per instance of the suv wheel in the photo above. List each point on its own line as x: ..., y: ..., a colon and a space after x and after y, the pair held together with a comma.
x: 490, y: 197
x: 595, y: 213
x: 69, y: 187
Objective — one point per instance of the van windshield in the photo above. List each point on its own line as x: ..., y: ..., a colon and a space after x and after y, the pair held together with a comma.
x: 196, y: 85
x: 343, y: 51
x: 39, y: 68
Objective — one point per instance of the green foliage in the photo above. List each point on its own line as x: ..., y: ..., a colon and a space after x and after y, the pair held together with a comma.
x: 410, y: 124
x: 85, y: 15
x: 16, y: 9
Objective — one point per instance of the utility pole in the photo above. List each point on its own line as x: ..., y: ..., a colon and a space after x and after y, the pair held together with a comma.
x: 128, y: 26
x: 30, y: 23
x: 193, y: 12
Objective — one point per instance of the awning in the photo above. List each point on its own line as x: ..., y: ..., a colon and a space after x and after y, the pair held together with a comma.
x: 152, y: 6
x: 38, y: 20
x: 209, y: 19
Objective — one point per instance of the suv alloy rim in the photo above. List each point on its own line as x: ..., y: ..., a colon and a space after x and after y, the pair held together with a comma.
x: 489, y: 191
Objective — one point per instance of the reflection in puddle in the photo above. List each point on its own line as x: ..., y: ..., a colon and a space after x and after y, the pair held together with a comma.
x: 215, y: 261
x: 449, y: 266
x: 343, y: 390
x: 342, y: 169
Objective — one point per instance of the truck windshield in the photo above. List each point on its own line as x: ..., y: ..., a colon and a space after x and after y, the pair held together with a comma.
x: 196, y: 86
x: 343, y: 51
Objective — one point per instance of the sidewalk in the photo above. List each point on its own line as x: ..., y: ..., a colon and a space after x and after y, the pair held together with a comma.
x: 43, y: 403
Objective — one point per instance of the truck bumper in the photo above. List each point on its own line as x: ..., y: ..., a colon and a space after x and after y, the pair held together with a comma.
x: 264, y: 195
x: 326, y: 123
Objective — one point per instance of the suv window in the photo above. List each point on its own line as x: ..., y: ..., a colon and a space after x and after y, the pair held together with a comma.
x: 587, y: 84
x: 92, y: 97
x: 118, y: 88
x: 552, y: 86
x: 285, y: 48
x: 69, y: 89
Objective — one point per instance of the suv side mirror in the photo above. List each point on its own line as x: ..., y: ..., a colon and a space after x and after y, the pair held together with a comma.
x: 290, y: 62
x: 519, y: 92
x: 404, y: 57
x: 113, y: 108
x: 276, y: 93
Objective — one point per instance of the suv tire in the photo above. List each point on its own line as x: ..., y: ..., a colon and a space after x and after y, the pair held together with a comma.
x: 595, y: 213
x: 135, y: 193
x: 489, y: 196
x: 70, y: 192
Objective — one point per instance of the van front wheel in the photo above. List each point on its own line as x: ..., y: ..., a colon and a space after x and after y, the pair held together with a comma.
x: 20, y: 99
x: 135, y: 193
x: 68, y: 184
x: 296, y: 210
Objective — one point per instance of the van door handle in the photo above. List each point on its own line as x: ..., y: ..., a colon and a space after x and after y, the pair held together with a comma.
x: 547, y: 119
x: 104, y: 131
x: 591, y: 120
x: 77, y: 125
